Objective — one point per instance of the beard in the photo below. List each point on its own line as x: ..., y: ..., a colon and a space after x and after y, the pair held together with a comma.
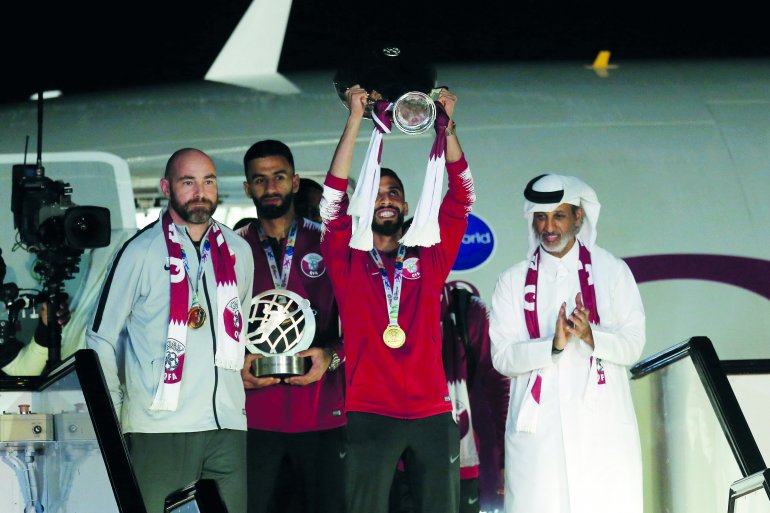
x: 557, y: 247
x: 388, y: 228
x: 565, y: 239
x: 274, y: 211
x: 198, y: 214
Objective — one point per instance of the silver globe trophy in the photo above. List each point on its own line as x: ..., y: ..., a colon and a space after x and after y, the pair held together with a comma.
x: 280, y: 325
x: 398, y: 75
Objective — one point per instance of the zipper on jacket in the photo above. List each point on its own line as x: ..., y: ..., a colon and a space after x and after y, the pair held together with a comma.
x: 216, y: 369
x: 213, y: 334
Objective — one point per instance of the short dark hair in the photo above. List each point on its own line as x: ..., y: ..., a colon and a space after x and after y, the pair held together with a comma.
x: 243, y: 222
x: 307, y: 184
x: 389, y: 172
x: 267, y: 148
x: 303, y: 206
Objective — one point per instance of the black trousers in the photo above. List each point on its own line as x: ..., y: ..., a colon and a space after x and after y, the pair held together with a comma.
x: 296, y: 472
x: 401, y: 497
x: 431, y: 451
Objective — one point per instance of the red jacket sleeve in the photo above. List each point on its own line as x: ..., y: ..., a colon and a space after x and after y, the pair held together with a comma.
x: 337, y: 229
x: 453, y: 215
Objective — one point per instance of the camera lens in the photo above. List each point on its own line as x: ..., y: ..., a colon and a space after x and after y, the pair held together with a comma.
x: 87, y: 227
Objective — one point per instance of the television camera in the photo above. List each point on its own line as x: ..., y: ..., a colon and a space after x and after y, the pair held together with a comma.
x: 57, y: 232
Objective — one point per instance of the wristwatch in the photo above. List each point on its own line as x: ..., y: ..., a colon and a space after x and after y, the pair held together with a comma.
x: 335, y: 362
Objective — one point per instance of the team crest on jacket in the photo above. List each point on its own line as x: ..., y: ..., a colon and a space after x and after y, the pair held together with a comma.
x: 412, y: 268
x: 313, y: 265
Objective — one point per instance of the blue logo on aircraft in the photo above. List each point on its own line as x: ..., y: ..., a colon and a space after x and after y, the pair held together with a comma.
x: 476, y: 248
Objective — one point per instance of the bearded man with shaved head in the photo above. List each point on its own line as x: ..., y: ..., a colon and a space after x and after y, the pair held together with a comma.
x: 169, y: 331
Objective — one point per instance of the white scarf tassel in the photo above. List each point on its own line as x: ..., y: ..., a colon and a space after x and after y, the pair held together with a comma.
x: 361, y: 204
x: 228, y: 356
x: 424, y: 230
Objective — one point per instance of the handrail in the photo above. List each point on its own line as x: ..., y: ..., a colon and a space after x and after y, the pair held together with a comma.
x: 720, y: 393
x: 748, y: 485
x: 733, y: 367
x: 108, y: 433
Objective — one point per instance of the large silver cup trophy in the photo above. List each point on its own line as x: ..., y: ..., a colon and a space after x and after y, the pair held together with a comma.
x: 281, y: 324
x: 397, y: 75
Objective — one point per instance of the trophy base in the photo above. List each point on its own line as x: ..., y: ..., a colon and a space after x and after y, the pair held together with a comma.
x: 280, y: 366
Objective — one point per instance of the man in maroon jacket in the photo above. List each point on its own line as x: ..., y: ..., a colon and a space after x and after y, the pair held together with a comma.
x: 467, y: 361
x: 299, y: 421
x: 396, y: 392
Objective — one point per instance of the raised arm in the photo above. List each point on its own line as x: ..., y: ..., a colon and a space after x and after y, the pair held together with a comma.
x: 459, y: 198
x: 356, y: 98
x: 337, y: 225
x: 453, y: 150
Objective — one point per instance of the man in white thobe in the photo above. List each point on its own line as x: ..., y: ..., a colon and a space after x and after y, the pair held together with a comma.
x: 566, y: 323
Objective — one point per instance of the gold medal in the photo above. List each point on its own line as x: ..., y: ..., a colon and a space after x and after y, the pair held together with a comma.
x: 393, y: 336
x: 196, y: 317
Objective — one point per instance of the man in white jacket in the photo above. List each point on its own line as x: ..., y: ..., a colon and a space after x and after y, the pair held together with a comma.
x: 566, y: 323
x: 168, y: 328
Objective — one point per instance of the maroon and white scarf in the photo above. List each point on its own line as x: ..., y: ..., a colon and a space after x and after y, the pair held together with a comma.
x: 424, y: 230
x: 528, y: 414
x: 229, y: 333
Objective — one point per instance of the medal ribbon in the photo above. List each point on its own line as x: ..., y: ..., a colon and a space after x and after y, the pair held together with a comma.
x: 229, y: 321
x: 204, y: 257
x: 392, y: 295
x: 279, y: 281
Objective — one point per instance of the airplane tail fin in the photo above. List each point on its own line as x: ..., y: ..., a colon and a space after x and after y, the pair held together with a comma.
x: 251, y: 54
x: 602, y: 60
x: 602, y: 64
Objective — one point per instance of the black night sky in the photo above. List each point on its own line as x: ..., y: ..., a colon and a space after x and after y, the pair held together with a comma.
x: 90, y: 46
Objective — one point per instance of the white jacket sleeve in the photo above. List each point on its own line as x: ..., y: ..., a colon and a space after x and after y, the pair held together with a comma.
x: 114, y: 305
x: 513, y: 352
x: 622, y: 341
x: 29, y: 362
